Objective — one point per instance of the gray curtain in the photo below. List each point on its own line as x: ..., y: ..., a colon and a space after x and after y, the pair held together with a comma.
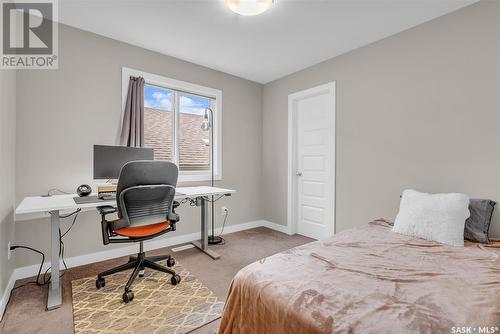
x: 133, y: 117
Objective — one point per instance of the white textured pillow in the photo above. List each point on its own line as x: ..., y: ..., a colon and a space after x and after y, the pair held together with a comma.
x: 438, y: 217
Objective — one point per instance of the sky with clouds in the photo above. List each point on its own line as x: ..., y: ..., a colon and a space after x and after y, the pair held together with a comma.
x: 161, y: 98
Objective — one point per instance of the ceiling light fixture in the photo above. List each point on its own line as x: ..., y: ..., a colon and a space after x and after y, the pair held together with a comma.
x: 249, y: 7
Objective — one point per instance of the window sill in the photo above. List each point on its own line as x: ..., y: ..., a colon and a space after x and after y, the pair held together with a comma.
x: 197, y: 178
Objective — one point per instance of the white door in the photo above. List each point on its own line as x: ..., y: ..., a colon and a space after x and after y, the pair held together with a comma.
x: 313, y: 163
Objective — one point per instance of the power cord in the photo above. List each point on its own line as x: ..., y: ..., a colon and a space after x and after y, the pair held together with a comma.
x: 192, y: 202
x: 49, y: 192
x: 61, y: 244
x: 37, y: 281
x: 224, y: 224
x: 46, y: 280
x: 74, y: 220
x: 215, y: 200
x: 223, y: 241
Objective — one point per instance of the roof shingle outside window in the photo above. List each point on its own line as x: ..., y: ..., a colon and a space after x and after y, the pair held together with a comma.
x: 193, y: 148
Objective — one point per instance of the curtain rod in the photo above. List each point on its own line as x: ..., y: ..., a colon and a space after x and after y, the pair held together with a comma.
x: 180, y: 91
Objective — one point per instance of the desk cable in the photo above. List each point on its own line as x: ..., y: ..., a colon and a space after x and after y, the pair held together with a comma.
x: 37, y: 281
x: 61, y: 244
x: 49, y: 192
x: 46, y: 280
x: 222, y: 231
x: 225, y: 218
x: 192, y: 202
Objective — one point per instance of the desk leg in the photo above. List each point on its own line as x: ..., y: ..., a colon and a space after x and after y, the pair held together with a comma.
x: 203, y: 243
x: 54, y: 299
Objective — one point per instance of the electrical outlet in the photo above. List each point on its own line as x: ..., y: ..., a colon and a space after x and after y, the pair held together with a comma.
x: 9, y: 252
x: 224, y: 210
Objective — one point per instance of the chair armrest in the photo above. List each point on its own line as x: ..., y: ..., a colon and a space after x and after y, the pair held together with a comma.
x: 173, y: 217
x: 106, y: 210
x: 106, y: 231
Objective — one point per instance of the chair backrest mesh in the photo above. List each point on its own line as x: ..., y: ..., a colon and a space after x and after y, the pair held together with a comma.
x: 146, y: 190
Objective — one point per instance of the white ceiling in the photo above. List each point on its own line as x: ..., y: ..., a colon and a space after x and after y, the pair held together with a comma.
x: 290, y: 36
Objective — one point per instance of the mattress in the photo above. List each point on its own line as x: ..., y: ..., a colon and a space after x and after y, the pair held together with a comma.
x: 368, y: 280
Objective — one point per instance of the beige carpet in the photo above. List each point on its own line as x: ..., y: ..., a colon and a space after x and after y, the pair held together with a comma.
x: 26, y: 312
x: 158, y: 306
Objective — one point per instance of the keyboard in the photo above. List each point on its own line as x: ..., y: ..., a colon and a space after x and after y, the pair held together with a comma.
x: 107, y: 196
x: 89, y: 200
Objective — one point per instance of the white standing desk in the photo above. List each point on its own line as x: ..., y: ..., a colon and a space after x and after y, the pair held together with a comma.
x: 55, y: 204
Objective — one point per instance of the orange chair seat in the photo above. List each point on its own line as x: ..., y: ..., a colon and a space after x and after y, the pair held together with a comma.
x: 143, y: 231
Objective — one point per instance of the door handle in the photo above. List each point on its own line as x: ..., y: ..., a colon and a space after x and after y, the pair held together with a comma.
x: 298, y: 173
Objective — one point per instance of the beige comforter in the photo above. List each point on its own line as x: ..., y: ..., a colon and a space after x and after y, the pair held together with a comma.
x: 367, y: 280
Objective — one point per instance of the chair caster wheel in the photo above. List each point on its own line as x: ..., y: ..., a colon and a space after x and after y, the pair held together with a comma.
x: 176, y: 279
x: 100, y: 283
x: 128, y: 296
x: 141, y: 273
x: 171, y: 262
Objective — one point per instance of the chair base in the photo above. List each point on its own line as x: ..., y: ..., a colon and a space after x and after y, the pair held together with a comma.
x: 139, y: 263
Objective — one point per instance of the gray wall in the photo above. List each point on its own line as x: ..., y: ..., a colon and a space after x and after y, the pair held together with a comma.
x: 417, y: 110
x: 62, y: 113
x: 7, y: 171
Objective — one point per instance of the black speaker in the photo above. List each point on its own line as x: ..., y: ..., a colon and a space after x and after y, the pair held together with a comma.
x: 83, y: 190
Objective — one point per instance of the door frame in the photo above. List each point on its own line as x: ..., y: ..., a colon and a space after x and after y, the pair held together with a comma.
x: 292, y: 153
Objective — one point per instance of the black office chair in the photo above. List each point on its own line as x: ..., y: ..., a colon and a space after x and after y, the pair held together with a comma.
x: 146, y: 209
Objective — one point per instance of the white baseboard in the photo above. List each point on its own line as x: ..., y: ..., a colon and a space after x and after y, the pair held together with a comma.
x: 6, y: 294
x: 276, y: 227
x: 75, y: 261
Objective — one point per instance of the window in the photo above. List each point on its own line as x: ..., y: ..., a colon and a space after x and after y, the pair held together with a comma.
x: 194, y: 143
x: 158, y: 121
x: 173, y: 114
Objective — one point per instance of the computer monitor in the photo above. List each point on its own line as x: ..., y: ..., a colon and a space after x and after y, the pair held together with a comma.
x: 109, y: 160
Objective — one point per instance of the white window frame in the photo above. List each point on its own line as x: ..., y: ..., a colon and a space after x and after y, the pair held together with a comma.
x: 189, y: 88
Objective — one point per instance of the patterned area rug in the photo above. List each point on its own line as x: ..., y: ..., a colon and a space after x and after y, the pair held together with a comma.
x: 158, y: 306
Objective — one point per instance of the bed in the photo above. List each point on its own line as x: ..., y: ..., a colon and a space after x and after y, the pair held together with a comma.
x: 367, y: 280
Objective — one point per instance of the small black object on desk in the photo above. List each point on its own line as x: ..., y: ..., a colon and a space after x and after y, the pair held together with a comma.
x: 84, y: 190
